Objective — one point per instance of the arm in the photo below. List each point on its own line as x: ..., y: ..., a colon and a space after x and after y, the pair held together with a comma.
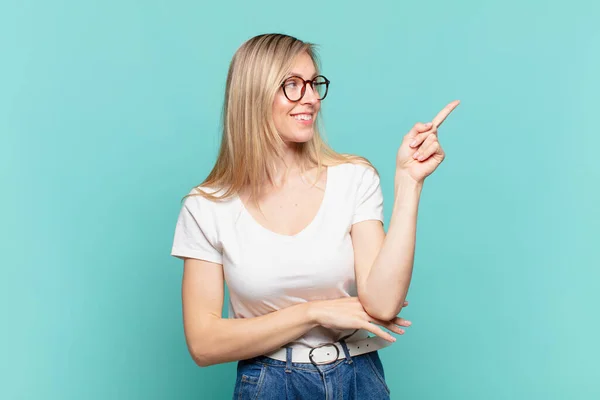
x: 383, y: 262
x: 212, y: 339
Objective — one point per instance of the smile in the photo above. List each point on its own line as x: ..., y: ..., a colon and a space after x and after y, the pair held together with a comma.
x: 303, y: 117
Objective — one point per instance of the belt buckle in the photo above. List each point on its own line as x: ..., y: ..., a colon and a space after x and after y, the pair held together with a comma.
x: 311, y: 355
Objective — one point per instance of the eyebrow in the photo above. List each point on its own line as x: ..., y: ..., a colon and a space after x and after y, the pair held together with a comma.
x: 300, y: 75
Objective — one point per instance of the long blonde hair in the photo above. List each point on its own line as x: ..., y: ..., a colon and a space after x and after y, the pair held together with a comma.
x: 250, y: 143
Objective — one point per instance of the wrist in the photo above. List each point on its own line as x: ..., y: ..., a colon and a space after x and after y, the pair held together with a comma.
x: 404, y: 181
x: 311, y: 312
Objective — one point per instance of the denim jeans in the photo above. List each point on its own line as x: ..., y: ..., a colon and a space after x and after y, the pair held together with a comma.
x: 359, y: 377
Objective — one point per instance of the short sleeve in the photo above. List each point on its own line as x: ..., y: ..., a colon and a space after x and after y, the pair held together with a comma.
x: 195, y: 233
x: 369, y: 197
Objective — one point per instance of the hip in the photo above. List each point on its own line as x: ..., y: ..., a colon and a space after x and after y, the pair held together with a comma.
x: 350, y: 377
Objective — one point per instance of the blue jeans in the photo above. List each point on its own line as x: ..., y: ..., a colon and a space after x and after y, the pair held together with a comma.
x: 359, y: 377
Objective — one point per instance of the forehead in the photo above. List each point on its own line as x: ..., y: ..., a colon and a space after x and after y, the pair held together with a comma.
x: 303, y: 66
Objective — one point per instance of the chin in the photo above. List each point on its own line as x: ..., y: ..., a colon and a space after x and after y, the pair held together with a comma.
x: 301, y: 137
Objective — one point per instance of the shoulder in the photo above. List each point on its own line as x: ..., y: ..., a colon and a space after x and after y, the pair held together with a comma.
x: 199, y: 200
x: 356, y: 173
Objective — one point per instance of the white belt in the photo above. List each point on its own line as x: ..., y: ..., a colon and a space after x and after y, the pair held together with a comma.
x: 331, y: 352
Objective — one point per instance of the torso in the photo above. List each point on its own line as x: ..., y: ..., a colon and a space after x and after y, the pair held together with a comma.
x: 294, y: 253
x: 291, y: 208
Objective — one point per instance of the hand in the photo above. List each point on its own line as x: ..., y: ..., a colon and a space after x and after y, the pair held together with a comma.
x: 420, y: 152
x: 348, y: 313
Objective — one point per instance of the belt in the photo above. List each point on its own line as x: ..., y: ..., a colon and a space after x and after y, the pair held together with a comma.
x: 330, y: 352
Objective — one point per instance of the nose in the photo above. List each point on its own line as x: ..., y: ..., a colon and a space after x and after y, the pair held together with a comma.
x: 310, y: 96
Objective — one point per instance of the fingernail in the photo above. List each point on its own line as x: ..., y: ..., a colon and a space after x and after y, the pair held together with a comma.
x: 416, y: 155
x: 428, y: 125
x: 413, y: 143
x: 408, y: 323
x: 421, y: 158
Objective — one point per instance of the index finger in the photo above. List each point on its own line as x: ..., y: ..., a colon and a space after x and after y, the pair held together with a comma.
x: 378, y: 331
x: 437, y: 121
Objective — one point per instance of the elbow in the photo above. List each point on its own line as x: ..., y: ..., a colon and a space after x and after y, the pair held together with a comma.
x: 202, y: 361
x: 380, y: 310
x: 201, y: 355
x: 383, y: 314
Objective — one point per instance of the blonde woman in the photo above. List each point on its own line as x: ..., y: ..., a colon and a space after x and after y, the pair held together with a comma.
x: 295, y: 230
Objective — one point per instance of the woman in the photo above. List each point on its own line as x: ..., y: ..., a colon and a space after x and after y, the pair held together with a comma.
x: 296, y: 231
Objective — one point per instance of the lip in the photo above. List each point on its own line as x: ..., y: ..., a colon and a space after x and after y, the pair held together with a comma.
x: 302, y: 121
x: 302, y: 113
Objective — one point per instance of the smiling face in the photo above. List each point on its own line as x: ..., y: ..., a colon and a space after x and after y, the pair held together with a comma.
x: 295, y: 121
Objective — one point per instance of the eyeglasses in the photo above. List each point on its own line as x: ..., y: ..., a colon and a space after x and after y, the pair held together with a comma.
x: 294, y: 87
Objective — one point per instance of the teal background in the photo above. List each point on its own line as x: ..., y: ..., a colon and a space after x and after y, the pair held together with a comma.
x: 109, y: 114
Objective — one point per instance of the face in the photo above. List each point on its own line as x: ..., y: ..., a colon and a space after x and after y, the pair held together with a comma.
x: 295, y: 121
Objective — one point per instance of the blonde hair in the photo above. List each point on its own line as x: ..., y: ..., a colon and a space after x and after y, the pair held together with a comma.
x: 250, y: 143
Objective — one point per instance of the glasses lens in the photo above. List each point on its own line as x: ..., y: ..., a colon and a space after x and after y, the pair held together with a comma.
x: 320, y: 86
x: 293, y: 88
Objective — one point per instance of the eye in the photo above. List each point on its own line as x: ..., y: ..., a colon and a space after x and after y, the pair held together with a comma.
x: 293, y: 83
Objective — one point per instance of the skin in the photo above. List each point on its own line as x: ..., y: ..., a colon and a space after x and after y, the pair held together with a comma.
x: 383, y: 263
x: 289, y: 129
x: 291, y: 202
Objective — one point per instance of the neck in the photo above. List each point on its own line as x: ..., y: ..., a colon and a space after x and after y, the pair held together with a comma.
x: 289, y: 164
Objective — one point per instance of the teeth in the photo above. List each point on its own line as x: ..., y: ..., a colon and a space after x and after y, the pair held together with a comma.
x: 305, y: 117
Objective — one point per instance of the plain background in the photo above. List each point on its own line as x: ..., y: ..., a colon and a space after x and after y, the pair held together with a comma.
x: 109, y: 114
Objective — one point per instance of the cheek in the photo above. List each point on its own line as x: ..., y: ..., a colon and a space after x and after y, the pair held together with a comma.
x: 281, y: 110
x: 281, y: 106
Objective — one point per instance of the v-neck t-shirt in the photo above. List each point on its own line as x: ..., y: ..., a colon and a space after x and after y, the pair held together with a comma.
x: 266, y: 271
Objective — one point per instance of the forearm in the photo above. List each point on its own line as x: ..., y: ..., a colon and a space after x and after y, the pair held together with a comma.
x: 225, y: 340
x: 390, y: 275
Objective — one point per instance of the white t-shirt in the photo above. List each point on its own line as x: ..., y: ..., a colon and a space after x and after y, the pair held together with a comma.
x: 266, y: 271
